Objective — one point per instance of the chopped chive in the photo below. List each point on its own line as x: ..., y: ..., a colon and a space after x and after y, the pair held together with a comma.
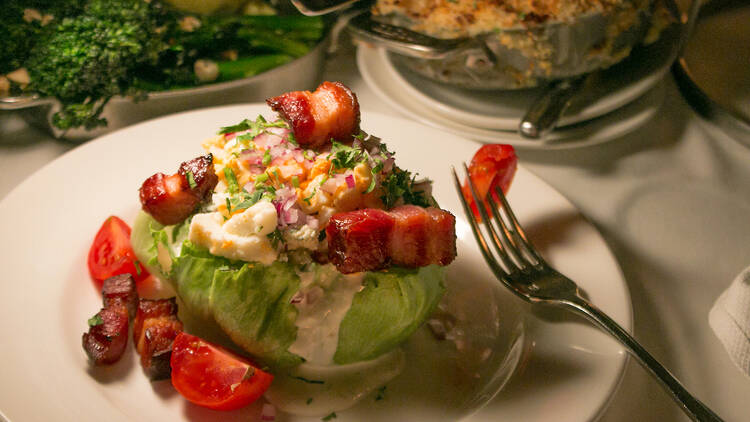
x: 95, y: 320
x: 191, y: 179
x: 266, y: 157
x: 137, y: 265
x: 232, y: 184
x: 261, y: 178
x: 295, y: 181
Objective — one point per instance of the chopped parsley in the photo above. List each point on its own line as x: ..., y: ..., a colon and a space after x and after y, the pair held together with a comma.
x: 332, y: 415
x: 244, y: 200
x: 309, y: 400
x: 400, y: 184
x: 95, y: 320
x: 310, y: 196
x: 255, y: 127
x: 345, y: 157
x: 275, y: 237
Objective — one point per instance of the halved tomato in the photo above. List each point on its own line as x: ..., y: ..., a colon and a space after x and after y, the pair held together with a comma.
x: 492, y: 165
x: 208, y: 375
x: 111, y: 253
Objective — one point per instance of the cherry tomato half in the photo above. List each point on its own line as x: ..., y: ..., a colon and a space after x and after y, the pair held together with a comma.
x: 492, y: 165
x: 111, y: 253
x: 210, y: 376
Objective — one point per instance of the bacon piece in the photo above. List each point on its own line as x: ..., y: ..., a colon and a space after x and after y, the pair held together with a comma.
x: 107, y: 337
x: 156, y: 326
x: 331, y: 111
x: 358, y: 240
x: 171, y: 199
x: 407, y: 236
x: 120, y: 289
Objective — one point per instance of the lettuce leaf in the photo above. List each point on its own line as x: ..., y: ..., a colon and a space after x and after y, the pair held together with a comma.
x: 251, y: 302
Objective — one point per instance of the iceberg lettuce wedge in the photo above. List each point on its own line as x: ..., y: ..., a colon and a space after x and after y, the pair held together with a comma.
x: 252, y: 303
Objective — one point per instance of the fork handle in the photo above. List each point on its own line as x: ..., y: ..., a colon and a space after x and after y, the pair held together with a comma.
x: 693, y: 407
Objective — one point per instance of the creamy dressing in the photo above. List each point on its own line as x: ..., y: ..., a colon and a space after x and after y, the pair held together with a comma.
x: 323, y: 299
x: 317, y: 390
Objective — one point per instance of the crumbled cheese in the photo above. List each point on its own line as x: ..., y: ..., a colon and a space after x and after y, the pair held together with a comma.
x: 304, y: 237
x: 242, y: 237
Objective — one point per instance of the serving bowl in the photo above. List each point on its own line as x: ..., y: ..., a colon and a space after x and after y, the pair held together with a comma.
x: 523, y: 54
x: 300, y: 74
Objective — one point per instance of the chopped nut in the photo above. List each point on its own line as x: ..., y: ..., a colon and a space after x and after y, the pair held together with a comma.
x: 206, y: 70
x: 20, y: 76
x: 190, y: 23
x: 229, y: 55
x: 31, y: 15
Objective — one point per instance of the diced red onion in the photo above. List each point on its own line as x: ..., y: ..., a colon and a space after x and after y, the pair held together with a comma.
x: 350, y: 181
x: 289, y: 171
x: 312, y: 221
x: 279, y: 131
x: 388, y: 165
x: 332, y: 184
x: 268, y: 413
x: 251, y: 156
x: 298, y: 155
x: 267, y: 140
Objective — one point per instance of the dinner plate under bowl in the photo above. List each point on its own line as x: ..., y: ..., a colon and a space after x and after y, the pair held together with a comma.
x: 485, y: 113
x: 564, y: 369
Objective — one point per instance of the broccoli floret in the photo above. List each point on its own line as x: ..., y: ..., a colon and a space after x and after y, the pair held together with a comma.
x: 89, y: 58
x: 23, y: 21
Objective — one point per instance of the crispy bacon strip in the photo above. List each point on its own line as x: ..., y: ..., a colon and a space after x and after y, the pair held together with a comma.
x: 171, y: 199
x: 408, y: 236
x: 121, y: 288
x: 331, y: 111
x: 107, y: 337
x: 156, y: 326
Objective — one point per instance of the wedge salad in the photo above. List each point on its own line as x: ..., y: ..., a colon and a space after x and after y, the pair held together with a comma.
x: 300, y: 246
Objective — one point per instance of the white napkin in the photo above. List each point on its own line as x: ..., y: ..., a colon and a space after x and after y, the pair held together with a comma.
x: 730, y: 320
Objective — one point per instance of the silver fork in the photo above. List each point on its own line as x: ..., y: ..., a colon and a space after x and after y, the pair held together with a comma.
x: 529, y: 276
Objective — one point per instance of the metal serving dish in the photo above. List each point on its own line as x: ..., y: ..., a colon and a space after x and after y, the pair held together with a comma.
x: 300, y: 74
x: 528, y: 56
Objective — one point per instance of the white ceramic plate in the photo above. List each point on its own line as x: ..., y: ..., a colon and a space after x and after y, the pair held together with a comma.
x: 568, y: 372
x: 502, y: 109
x: 381, y: 77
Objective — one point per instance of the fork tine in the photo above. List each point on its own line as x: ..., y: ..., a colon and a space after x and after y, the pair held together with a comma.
x: 519, y: 236
x: 508, y: 235
x: 510, y: 266
x: 499, y: 272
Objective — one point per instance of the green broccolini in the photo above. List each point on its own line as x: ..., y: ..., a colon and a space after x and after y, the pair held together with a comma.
x: 86, y: 51
x: 87, y: 59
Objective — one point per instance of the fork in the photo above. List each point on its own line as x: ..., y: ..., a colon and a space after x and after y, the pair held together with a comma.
x: 523, y: 270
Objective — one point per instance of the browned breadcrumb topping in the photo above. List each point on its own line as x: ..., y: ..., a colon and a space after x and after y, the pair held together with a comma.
x: 459, y: 18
